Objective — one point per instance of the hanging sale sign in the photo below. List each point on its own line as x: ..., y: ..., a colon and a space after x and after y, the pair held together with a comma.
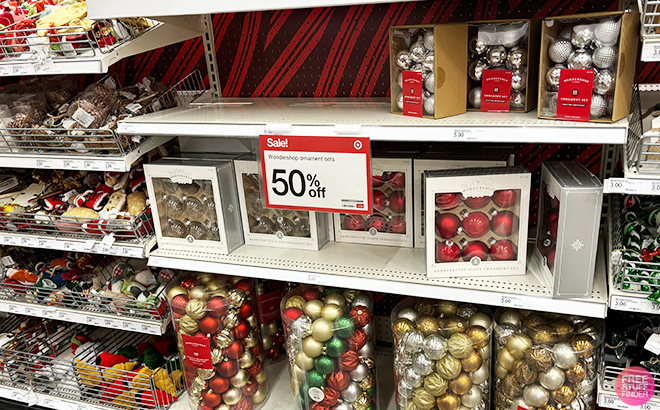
x: 324, y: 174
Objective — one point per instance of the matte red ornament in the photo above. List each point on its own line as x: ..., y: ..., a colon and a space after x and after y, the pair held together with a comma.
x: 447, y: 201
x: 235, y: 350
x: 553, y: 226
x: 357, y: 340
x: 245, y: 403
x: 397, y: 202
x: 257, y: 349
x: 398, y: 224
x: 227, y: 368
x: 354, y: 222
x: 219, y: 384
x: 242, y: 329
x: 505, y: 197
x: 211, y: 398
x: 378, y: 223
x: 397, y: 180
x: 209, y: 324
x: 349, y: 361
x: 179, y: 303
x: 446, y: 225
x: 246, y: 285
x: 202, y: 407
x: 379, y: 180
x: 338, y: 380
x: 379, y: 201
x: 255, y: 369
x: 447, y: 251
x: 250, y: 389
x: 311, y: 294
x: 292, y: 314
x: 331, y: 397
x: 199, y: 334
x: 551, y: 257
x: 476, y: 202
x: 505, y: 223
x: 217, y: 306
x: 554, y: 202
x: 246, y: 310
x: 475, y: 249
x: 476, y: 224
x: 360, y: 316
x: 503, y: 250
x: 319, y: 406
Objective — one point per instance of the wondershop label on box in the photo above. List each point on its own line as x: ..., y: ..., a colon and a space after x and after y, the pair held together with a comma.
x: 412, y: 93
x: 496, y: 90
x: 269, y: 306
x: 574, y: 96
x: 197, y: 351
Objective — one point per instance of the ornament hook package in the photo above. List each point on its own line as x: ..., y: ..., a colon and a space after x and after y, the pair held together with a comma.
x: 194, y: 204
x: 570, y: 206
x: 480, y: 218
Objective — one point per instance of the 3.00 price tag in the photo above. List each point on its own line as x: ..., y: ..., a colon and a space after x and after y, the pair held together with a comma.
x: 325, y: 174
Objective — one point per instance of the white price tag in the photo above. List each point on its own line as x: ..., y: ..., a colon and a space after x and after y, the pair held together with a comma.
x: 48, y: 402
x: 112, y: 323
x: 49, y: 313
x: 18, y: 396
x: 512, y: 301
x: 634, y: 304
x: 107, y: 241
x: 131, y: 252
x: 327, y: 174
x: 71, y: 317
x: 134, y: 327
x: 44, y: 66
x: 22, y: 69
x: 47, y: 243
x: 73, y: 246
x: 47, y: 163
x: 631, y: 186
x: 611, y: 402
x: 17, y: 309
x: 125, y: 128
x: 30, y: 242
x: 83, y: 117
x: 115, y: 166
x: 315, y: 279
x: 88, y: 245
x: 12, y: 240
x: 464, y: 135
x: 91, y: 320
x: 73, y: 164
x: 33, y: 311
x: 93, y: 165
x: 150, y: 329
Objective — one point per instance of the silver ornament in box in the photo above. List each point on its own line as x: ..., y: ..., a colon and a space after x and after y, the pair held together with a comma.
x: 435, y: 346
x: 604, y: 82
x: 496, y: 56
x: 418, y: 51
x: 429, y: 104
x: 474, y: 97
x: 517, y: 101
x: 598, y: 109
x: 399, y: 79
x: 352, y: 392
x: 607, y: 32
x: 411, y: 378
x: 429, y: 82
x: 559, y: 51
x: 582, y: 36
x: 422, y: 365
x: 476, y: 69
x: 579, y: 59
x: 565, y: 33
x: 519, y: 79
x: 429, y: 40
x: 535, y: 395
x: 517, y: 57
x: 403, y: 60
x: 399, y: 101
x: 604, y: 57
x: 412, y: 341
x: 552, y: 76
x: 549, y: 104
x: 429, y: 61
x: 477, y: 47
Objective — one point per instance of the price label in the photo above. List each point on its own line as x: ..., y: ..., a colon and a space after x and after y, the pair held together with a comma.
x: 17, y: 309
x: 512, y: 301
x: 91, y: 320
x: 49, y: 313
x: 611, y: 402
x: 88, y: 245
x: 632, y: 304
x: 631, y: 186
x: 47, y: 243
x: 46, y: 164
x: 133, y: 327
x: 115, y: 166
x: 315, y: 279
x: 22, y: 69
x: 93, y: 165
x: 18, y: 396
x: 107, y: 241
x: 325, y: 174
x: 73, y: 164
x: 12, y: 240
x: 112, y: 323
x: 125, y: 128
x: 33, y: 311
x: 48, y: 403
x: 150, y: 329
x: 159, y: 262
x: 30, y: 242
x: 131, y: 252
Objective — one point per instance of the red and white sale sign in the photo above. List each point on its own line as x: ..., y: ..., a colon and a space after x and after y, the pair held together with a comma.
x: 574, y: 96
x: 324, y: 174
x: 496, y: 90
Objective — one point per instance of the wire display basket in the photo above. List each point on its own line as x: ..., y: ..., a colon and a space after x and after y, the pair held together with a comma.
x: 650, y: 18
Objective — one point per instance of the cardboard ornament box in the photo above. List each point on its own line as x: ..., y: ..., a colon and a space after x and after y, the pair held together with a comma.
x: 480, y: 216
x: 426, y: 62
x: 570, y: 208
x: 194, y: 205
x: 281, y: 228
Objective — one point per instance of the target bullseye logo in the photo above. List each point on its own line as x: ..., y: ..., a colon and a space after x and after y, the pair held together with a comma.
x: 357, y: 145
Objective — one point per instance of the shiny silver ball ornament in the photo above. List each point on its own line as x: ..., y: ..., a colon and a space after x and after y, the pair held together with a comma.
x: 552, y: 76
x: 412, y: 341
x: 549, y: 104
x: 477, y: 47
x: 472, y: 398
x: 517, y: 57
x: 404, y: 389
x: 598, y: 109
x: 519, y: 79
x: 429, y: 83
x: 517, y: 101
x: 429, y: 105
x: 582, y: 36
x: 607, y: 32
x: 360, y: 372
x: 553, y: 378
x: 474, y: 97
x: 302, y: 326
x: 417, y: 52
x: 563, y: 353
x: 565, y: 33
x: 363, y: 299
x: 343, y: 406
x: 408, y: 313
x: 604, y: 82
x: 399, y: 79
x: 429, y: 61
x: 367, y: 350
x: 429, y: 40
x: 560, y: 50
x: 579, y: 59
x: 435, y: 346
x: 476, y: 69
x: 535, y: 395
x: 496, y: 56
x: 399, y: 101
x: 422, y: 365
x: 403, y: 60
x: 411, y: 378
x: 604, y: 57
x: 466, y: 311
x: 352, y: 392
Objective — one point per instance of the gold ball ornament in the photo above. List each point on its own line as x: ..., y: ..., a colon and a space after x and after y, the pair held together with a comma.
x: 297, y: 373
x: 271, y: 328
x: 500, y: 372
x: 402, y: 326
x: 350, y: 294
x: 253, y: 321
x: 215, y: 285
x: 564, y: 395
x: 479, y: 335
x: 267, y: 341
x: 331, y: 312
x: 367, y: 383
x: 532, y: 321
x: 296, y: 301
x: 427, y: 325
x: 303, y: 361
x: 435, y: 384
x: 241, y: 379
x: 517, y: 344
x: 205, y: 373
x: 425, y: 307
x: 576, y: 373
x: 198, y: 384
x: 563, y: 328
x: 480, y: 319
x: 232, y: 396
x: 176, y: 290
x: 223, y: 339
x: 536, y: 395
x: 454, y: 325
x: 460, y: 345
x: 262, y: 356
x: 505, y: 359
x: 262, y: 376
x: 524, y: 372
x: 188, y: 324
x: 251, y: 340
x: 511, y: 317
x: 448, y: 367
x: 199, y: 292
x: 448, y: 401
x: 423, y: 399
x: 461, y: 384
x: 236, y: 298
x: 485, y: 352
x: 219, y: 292
x: 335, y: 299
x: 481, y: 374
x: 246, y: 360
x: 446, y: 308
x: 547, y: 407
x: 543, y: 334
x: 216, y: 355
x: 510, y: 387
x: 313, y: 308
x: 473, y: 362
x: 583, y: 345
x: 312, y: 347
x: 260, y: 395
x: 541, y: 357
x: 196, y: 308
x: 204, y: 278
x: 322, y: 329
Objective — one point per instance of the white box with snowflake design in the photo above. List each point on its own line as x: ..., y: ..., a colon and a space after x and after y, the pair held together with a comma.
x: 570, y: 204
x: 478, y: 223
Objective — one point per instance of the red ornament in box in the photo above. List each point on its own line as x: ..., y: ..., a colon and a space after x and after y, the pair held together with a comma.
x: 235, y: 350
x: 447, y: 201
x: 255, y: 369
x: 293, y: 313
x: 246, y: 285
x: 310, y: 294
x: 379, y: 180
x: 242, y: 329
x: 331, y: 397
x: 209, y: 324
x: 378, y: 223
x: 246, y: 310
x: 354, y: 222
x: 505, y: 197
x: 244, y: 403
x: 211, y: 398
x: 227, y: 368
x: 219, y: 384
x: 349, y: 361
x: 397, y: 180
x: 476, y: 224
x: 397, y: 202
x: 360, y: 316
x: 338, y: 380
x: 476, y: 202
x: 357, y: 340
x: 505, y: 223
x: 217, y: 306
x: 398, y: 224
x: 250, y: 389
x: 446, y: 225
x: 474, y: 249
x: 447, y: 251
x: 379, y: 201
x: 179, y: 303
x: 503, y: 250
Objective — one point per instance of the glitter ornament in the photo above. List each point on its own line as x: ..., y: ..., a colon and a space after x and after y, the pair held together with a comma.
x: 519, y: 79
x: 598, y: 106
x: 434, y: 347
x: 496, y: 56
x: 604, y: 57
x: 517, y: 57
x: 435, y: 384
x: 429, y: 83
x: 604, y: 82
x: 564, y: 395
x: 476, y: 69
x: 474, y: 97
x: 607, y: 32
x: 302, y: 326
x: 579, y: 59
x: 477, y: 47
x: 552, y: 76
x: 422, y: 365
x: 460, y: 345
x: 582, y: 36
x: 417, y: 52
x: 344, y: 326
x: 517, y: 100
x: 559, y: 51
x: 429, y: 104
x: 429, y: 40
x: 403, y: 60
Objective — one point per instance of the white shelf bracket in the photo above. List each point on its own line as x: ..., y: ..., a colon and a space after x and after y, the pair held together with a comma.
x: 209, y: 54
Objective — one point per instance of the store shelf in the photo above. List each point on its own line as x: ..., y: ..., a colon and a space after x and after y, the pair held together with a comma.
x: 44, y: 400
x: 642, y: 186
x: 128, y: 8
x: 630, y: 302
x: 81, y: 162
x: 170, y: 31
x: 608, y: 399
x: 367, y: 117
x: 386, y: 269
x: 126, y: 249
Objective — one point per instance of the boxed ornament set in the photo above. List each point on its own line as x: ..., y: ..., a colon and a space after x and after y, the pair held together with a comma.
x: 195, y: 205
x: 480, y: 218
x: 570, y: 207
x: 442, y: 355
x: 330, y: 344
x: 417, y: 76
x: 391, y: 222
x: 279, y: 228
x: 503, y: 65
x: 587, y: 68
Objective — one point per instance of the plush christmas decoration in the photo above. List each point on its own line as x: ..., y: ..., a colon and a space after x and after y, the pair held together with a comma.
x: 166, y: 347
x: 177, y: 378
x: 125, y: 400
x: 129, y: 352
x: 149, y: 401
x: 163, y: 382
x: 52, y: 204
x: 91, y: 199
x: 77, y: 341
x: 88, y: 374
x: 146, y: 279
x: 131, y: 288
x: 106, y: 359
x: 141, y: 379
x: 151, y: 358
x: 110, y: 391
x: 117, y: 371
x: 142, y: 347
